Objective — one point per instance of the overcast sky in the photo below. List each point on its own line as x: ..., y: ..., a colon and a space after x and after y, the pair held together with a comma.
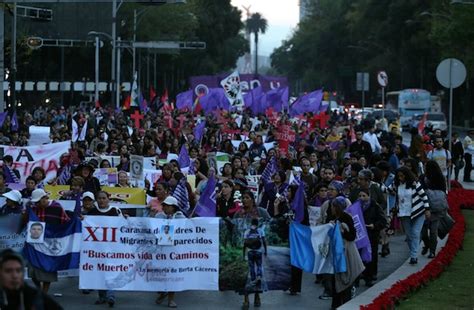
x: 282, y: 17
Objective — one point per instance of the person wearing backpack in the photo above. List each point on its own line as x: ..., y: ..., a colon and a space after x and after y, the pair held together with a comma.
x: 254, y: 241
x: 435, y: 184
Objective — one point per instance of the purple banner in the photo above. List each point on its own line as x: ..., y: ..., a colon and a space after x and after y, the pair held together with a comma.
x: 362, y: 239
x: 201, y: 84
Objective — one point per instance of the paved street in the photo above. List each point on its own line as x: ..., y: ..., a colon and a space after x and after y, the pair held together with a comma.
x: 73, y: 299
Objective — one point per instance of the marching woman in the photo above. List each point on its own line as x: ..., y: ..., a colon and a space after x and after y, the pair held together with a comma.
x: 435, y: 184
x: 412, y: 204
x: 103, y: 208
x: 375, y: 221
x: 171, y: 210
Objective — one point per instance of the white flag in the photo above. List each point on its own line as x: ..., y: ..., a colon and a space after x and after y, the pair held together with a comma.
x: 82, y: 136
x: 233, y: 92
x: 134, y: 95
x: 75, y: 131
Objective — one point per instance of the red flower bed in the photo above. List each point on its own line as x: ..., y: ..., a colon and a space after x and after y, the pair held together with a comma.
x: 458, y: 198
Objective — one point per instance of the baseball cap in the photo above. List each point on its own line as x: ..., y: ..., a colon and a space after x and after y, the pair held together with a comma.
x: 13, y: 195
x: 88, y: 195
x: 37, y: 194
x: 170, y: 201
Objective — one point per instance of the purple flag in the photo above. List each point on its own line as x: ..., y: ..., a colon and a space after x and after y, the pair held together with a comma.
x: 362, y: 239
x: 276, y: 98
x: 334, y: 145
x: 183, y: 158
x: 199, y: 131
x: 253, y: 100
x: 143, y: 103
x: 185, y: 100
x: 308, y: 103
x: 14, y: 123
x: 206, y: 206
x: 3, y: 116
x: 214, y: 99
x: 297, y: 205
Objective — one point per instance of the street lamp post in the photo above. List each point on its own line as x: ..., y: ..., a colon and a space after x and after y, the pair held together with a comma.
x: 97, y: 47
x: 13, y: 60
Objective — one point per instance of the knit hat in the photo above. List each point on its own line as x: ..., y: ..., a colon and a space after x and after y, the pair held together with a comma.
x: 340, y: 203
x: 338, y: 185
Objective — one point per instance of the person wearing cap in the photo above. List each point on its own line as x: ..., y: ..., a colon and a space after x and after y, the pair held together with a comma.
x: 103, y: 208
x: 335, y: 191
x: 49, y: 212
x: 14, y: 292
x: 13, y: 203
x: 341, y: 285
x: 468, y: 144
x: 88, y: 202
x: 86, y: 171
x: 170, y: 211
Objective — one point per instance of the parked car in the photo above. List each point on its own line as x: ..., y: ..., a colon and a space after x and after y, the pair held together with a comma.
x: 435, y: 120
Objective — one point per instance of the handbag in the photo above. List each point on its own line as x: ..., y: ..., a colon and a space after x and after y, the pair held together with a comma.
x: 355, y: 267
x: 446, y: 222
x: 459, y: 163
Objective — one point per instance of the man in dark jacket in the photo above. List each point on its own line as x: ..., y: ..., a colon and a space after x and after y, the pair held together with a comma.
x: 14, y: 292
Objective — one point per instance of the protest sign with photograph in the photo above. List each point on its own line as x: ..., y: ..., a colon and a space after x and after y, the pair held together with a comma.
x: 35, y: 232
x: 132, y: 259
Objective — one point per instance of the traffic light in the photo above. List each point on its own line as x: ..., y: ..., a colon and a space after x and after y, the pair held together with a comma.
x: 34, y: 42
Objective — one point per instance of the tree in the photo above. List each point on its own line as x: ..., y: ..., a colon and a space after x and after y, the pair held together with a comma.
x: 256, y: 24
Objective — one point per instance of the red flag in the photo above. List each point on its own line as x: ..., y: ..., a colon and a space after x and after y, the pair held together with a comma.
x: 127, y: 102
x: 164, y: 97
x: 421, y: 124
x: 97, y: 104
x: 152, y: 93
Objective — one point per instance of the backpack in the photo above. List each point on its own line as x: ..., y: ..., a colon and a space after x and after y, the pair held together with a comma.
x: 253, y: 240
x: 437, y: 200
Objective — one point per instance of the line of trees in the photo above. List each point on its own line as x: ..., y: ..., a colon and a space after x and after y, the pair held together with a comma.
x: 405, y: 38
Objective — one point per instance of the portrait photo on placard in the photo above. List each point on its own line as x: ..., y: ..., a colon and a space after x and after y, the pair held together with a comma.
x: 35, y: 232
x: 166, y: 236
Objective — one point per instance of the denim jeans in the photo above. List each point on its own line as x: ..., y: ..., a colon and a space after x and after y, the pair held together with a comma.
x: 255, y: 262
x: 413, y: 232
x: 106, y: 295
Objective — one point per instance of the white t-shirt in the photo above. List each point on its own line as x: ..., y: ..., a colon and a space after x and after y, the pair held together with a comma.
x: 439, y: 156
x: 405, y: 196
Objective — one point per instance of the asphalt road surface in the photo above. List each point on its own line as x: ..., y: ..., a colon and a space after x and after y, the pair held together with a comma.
x: 73, y: 299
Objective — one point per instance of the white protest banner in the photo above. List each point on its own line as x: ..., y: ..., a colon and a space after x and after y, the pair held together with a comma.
x: 131, y: 255
x: 39, y: 135
x: 26, y: 158
x: 10, y: 235
x: 136, y: 167
x: 149, y: 163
